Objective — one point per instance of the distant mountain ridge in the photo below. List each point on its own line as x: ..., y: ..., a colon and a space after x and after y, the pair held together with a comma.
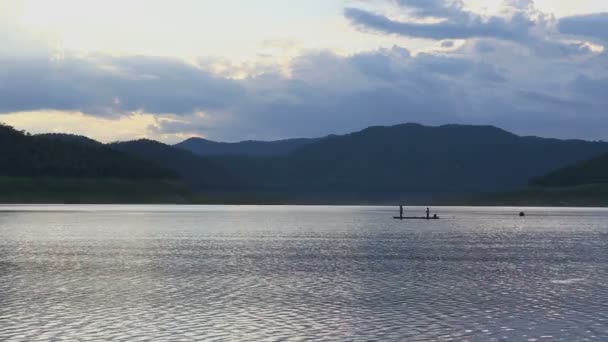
x: 411, y: 158
x: 250, y: 148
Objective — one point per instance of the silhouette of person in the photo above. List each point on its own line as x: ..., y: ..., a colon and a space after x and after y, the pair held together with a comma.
x: 401, y: 211
x: 428, y: 213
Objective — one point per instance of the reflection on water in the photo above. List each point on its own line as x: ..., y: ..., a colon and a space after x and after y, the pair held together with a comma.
x: 297, y: 273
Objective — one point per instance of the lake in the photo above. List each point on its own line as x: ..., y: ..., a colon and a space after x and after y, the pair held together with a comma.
x: 226, y: 273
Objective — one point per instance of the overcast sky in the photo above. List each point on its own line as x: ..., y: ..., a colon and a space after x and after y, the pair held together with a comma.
x: 268, y: 69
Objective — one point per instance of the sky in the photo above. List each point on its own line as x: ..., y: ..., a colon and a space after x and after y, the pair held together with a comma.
x: 234, y: 70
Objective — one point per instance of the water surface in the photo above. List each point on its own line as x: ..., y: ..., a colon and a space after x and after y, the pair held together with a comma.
x: 301, y: 273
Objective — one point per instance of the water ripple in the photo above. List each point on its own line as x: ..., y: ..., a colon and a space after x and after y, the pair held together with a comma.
x: 299, y: 275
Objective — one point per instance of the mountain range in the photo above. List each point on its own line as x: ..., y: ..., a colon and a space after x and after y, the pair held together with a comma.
x: 412, y: 158
x: 377, y: 163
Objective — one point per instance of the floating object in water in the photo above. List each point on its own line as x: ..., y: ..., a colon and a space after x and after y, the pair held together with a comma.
x: 522, y: 214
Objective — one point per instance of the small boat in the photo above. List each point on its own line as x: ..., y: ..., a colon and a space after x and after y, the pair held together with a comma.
x: 427, y: 217
x: 416, y: 218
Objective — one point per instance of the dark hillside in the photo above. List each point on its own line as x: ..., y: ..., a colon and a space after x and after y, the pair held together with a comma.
x: 198, y: 173
x: 80, y: 139
x: 41, y: 156
x: 593, y: 171
x: 411, y: 158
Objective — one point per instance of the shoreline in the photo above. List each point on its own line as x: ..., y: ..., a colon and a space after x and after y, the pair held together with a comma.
x: 48, y: 191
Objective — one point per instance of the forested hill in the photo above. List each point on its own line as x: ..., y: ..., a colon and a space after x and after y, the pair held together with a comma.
x: 208, y: 148
x: 53, y: 156
x: 199, y: 174
x: 72, y: 138
x: 593, y: 171
x: 412, y: 158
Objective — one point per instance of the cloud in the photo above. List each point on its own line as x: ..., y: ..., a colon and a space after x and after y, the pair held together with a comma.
x: 547, y: 100
x: 591, y: 88
x: 36, y: 76
x: 487, y: 72
x: 592, y: 26
x: 328, y: 93
x: 519, y: 22
x: 514, y: 71
x: 103, y: 85
x: 456, y: 23
x: 323, y: 93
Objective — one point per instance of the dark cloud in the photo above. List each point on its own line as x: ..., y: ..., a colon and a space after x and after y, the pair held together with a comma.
x: 487, y: 72
x: 328, y: 93
x: 468, y: 25
x: 381, y: 65
x: 446, y: 65
x: 483, y: 47
x: 521, y: 23
x: 333, y: 94
x: 455, y: 21
x: 325, y: 93
x: 592, y: 25
x: 547, y: 100
x: 591, y: 88
x: 104, y: 85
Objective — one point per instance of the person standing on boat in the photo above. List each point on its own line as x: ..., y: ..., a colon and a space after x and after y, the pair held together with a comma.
x: 428, y: 213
